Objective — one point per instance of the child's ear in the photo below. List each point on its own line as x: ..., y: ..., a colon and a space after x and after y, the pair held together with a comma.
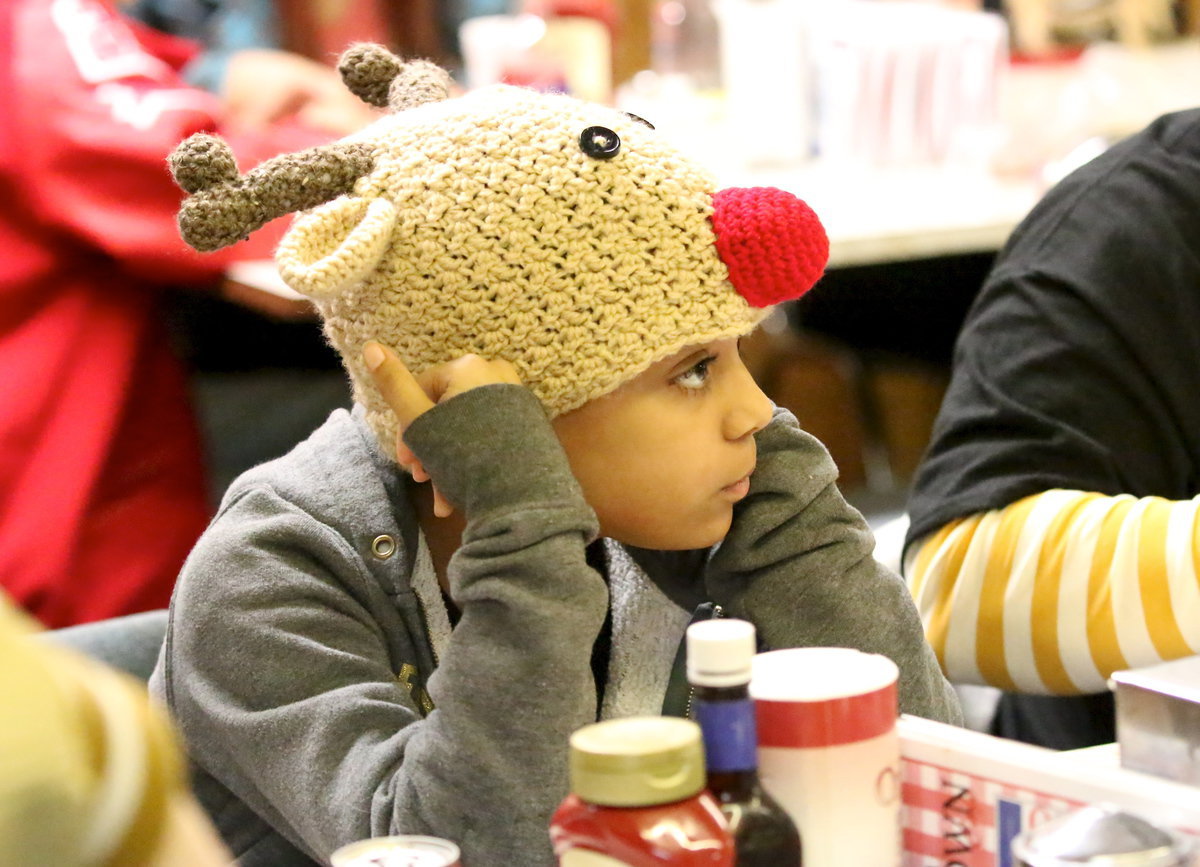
x: 336, y: 245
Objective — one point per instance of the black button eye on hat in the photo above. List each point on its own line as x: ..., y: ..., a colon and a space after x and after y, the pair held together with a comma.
x: 600, y: 142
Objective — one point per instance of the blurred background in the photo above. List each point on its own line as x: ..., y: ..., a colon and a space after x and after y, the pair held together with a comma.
x: 921, y: 132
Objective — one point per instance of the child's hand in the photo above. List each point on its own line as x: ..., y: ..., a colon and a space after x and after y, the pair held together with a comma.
x: 409, y: 396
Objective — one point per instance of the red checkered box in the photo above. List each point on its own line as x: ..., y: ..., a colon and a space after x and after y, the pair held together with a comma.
x: 966, y: 795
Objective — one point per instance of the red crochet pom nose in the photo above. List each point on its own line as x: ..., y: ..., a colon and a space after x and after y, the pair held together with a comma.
x: 772, y: 243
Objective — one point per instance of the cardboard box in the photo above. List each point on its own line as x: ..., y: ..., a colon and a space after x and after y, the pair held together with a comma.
x: 1158, y: 719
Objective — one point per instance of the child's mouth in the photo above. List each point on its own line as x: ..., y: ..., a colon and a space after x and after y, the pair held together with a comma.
x: 738, y: 489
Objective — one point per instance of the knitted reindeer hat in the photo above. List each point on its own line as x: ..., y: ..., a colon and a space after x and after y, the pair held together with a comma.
x: 566, y: 237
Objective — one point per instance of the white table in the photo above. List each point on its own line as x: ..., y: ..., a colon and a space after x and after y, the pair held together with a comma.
x: 877, y: 215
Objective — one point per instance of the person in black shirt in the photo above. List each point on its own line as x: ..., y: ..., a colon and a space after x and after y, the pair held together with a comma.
x: 1052, y: 537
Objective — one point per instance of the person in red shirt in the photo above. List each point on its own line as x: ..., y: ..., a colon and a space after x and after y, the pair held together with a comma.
x: 102, y: 485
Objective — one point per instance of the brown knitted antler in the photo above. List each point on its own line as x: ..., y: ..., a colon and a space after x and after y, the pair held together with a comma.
x: 380, y: 78
x: 225, y: 208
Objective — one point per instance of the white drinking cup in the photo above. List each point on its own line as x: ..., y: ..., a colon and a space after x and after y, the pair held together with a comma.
x: 829, y: 753
x: 765, y: 71
x: 403, y: 850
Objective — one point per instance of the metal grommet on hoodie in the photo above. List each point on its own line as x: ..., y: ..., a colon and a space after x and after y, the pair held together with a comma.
x: 383, y: 547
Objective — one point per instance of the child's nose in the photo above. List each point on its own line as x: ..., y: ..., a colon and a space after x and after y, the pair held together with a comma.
x: 772, y: 243
x: 750, y: 410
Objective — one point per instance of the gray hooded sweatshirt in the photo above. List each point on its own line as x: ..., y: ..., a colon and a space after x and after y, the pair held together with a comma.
x: 299, y: 666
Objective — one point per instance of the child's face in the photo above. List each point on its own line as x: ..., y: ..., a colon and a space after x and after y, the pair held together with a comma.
x: 663, y: 459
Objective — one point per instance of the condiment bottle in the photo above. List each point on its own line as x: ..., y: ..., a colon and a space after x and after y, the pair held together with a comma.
x: 829, y: 753
x: 637, y: 799
x: 684, y: 42
x: 719, y: 653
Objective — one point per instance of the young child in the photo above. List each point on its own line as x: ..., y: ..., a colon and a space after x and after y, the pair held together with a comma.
x: 354, y: 651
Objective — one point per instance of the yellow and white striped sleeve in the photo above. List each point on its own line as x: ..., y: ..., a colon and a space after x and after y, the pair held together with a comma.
x: 1056, y: 591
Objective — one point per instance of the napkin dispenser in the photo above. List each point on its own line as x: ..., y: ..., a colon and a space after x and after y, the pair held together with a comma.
x: 1158, y: 719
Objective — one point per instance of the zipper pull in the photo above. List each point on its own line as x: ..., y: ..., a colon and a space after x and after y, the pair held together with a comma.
x: 677, y: 701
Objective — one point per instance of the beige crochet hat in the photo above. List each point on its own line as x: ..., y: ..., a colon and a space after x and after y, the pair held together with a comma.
x: 566, y: 237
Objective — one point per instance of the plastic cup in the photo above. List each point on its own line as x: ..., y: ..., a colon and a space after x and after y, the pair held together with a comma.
x: 406, y: 850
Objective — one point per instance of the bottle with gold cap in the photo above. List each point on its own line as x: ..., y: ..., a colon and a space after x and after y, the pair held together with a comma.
x: 637, y: 799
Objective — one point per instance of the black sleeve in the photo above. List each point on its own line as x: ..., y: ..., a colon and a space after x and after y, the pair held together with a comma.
x: 1078, y: 364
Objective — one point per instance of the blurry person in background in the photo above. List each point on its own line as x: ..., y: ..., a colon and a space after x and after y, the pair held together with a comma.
x: 93, y: 774
x: 1053, y: 535
x: 102, y: 484
x: 261, y: 383
x: 242, y: 61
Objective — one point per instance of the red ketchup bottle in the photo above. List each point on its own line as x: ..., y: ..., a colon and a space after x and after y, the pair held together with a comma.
x: 637, y: 799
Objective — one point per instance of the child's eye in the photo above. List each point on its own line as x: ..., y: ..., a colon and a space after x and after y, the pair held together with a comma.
x: 696, y: 376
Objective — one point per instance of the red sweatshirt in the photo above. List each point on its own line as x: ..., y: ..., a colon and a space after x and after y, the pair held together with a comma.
x: 101, y: 480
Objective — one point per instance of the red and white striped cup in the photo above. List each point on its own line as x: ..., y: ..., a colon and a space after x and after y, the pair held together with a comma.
x: 829, y: 753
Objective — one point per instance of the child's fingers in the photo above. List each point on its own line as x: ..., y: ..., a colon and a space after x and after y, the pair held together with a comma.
x: 412, y: 464
x: 404, y: 455
x: 399, y: 388
x: 441, y: 506
x: 409, y: 396
x: 462, y: 374
x: 407, y: 459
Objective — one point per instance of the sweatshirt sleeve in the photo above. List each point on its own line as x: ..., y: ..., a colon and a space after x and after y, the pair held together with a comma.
x: 291, y: 685
x: 798, y: 563
x: 1058, y: 590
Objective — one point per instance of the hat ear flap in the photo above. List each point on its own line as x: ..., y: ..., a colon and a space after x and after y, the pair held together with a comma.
x: 335, y: 246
